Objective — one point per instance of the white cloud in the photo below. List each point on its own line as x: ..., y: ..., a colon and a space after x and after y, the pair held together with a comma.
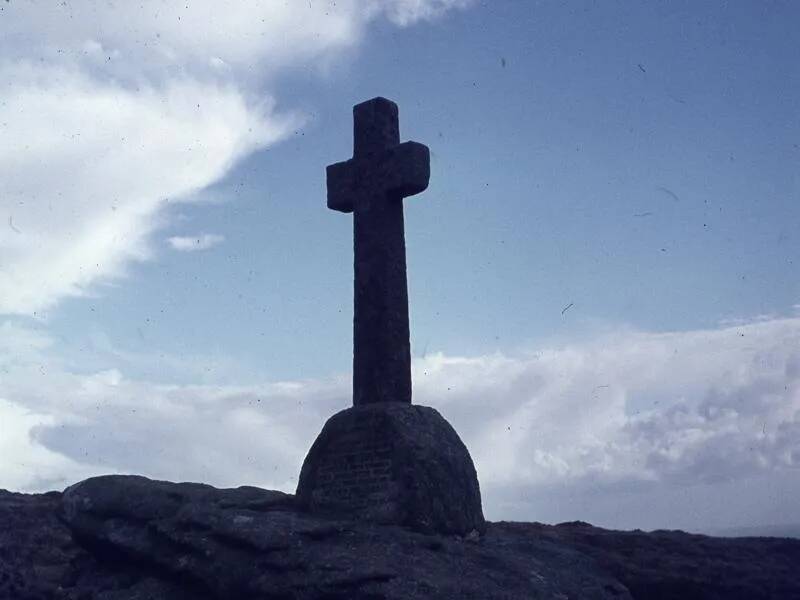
x: 573, y: 431
x: 686, y: 407
x: 89, y: 166
x: 253, y: 37
x: 59, y: 426
x: 629, y: 429
x: 406, y: 12
x: 192, y: 243
x: 20, y: 344
x: 27, y: 463
x: 108, y: 111
x: 159, y: 38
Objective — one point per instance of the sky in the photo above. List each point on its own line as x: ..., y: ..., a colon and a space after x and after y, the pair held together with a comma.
x: 603, y: 285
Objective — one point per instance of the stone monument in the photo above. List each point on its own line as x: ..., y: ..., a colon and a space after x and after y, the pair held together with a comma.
x: 384, y: 459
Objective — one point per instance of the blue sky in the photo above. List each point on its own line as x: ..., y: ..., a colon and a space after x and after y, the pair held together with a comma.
x: 642, y: 168
x: 637, y: 163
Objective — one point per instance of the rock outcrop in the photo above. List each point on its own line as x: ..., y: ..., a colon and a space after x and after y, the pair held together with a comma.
x: 130, y: 538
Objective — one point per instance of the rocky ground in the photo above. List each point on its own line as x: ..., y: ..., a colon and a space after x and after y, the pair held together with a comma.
x: 132, y: 538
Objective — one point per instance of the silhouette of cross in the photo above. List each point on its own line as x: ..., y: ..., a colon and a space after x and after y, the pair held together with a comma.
x: 372, y: 186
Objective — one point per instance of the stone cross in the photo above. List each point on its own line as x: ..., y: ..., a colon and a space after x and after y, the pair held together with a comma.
x: 372, y: 186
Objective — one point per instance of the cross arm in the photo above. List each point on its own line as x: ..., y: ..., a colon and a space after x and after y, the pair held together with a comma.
x: 341, y: 185
x: 402, y: 171
x: 406, y: 169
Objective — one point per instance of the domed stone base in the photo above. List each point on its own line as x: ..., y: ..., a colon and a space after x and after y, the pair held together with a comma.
x: 393, y: 463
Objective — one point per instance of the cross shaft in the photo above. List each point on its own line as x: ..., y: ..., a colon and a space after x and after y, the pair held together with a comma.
x: 372, y: 186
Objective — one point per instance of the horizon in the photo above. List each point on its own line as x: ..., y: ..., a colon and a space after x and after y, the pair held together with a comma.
x: 604, y: 298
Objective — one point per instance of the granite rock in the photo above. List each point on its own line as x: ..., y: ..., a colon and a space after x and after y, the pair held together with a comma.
x: 396, y: 464
x: 166, y: 539
x: 130, y: 538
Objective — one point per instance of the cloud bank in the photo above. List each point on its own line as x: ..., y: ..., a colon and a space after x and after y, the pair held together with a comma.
x: 111, y: 110
x: 692, y: 429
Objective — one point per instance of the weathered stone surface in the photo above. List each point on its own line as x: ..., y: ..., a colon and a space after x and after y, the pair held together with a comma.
x: 678, y: 565
x: 372, y: 186
x: 394, y: 464
x: 255, y: 544
x: 40, y: 560
x: 128, y: 552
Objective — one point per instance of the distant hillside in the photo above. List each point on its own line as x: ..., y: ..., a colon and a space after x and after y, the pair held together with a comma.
x: 791, y: 530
